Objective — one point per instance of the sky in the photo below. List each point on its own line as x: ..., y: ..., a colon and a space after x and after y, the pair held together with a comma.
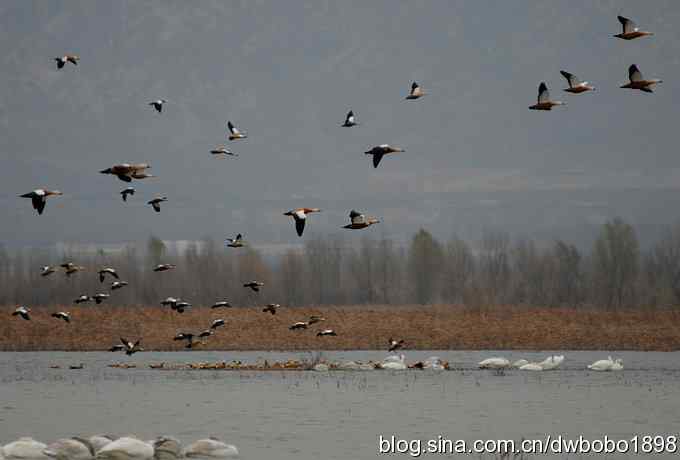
x: 287, y: 72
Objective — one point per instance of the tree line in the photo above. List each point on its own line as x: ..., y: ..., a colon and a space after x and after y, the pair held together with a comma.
x: 335, y: 270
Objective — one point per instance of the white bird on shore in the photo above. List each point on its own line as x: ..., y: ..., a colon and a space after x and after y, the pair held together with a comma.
x: 25, y: 448
x: 74, y: 448
x: 210, y: 448
x: 494, y: 363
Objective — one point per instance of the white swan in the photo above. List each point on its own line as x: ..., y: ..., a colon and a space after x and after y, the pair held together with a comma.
x: 126, y: 448
x: 166, y: 448
x: 394, y: 362
x: 519, y: 363
x: 74, y: 448
x: 25, y: 448
x: 607, y: 365
x: 531, y: 367
x: 210, y: 448
x: 551, y: 362
x: 100, y: 440
x: 494, y: 363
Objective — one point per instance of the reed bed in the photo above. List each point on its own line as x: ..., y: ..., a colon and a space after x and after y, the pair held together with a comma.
x: 436, y: 327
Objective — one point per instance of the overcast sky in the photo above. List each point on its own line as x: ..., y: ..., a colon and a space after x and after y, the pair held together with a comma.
x: 287, y: 72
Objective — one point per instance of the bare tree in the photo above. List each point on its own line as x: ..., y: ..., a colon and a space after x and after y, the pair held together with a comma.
x: 459, y: 269
x: 425, y: 266
x: 494, y: 265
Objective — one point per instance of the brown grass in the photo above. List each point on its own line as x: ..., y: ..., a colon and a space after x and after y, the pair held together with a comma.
x: 358, y: 327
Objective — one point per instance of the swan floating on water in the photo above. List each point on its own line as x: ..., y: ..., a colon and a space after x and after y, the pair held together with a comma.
x: 531, y: 367
x: 519, y: 363
x: 126, y: 448
x: 494, y: 363
x: 394, y: 362
x: 98, y: 441
x: 25, y: 448
x: 551, y: 362
x: 210, y: 448
x: 608, y: 364
x: 74, y: 448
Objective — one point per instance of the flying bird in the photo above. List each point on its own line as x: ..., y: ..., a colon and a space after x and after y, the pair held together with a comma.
x: 169, y: 302
x: 62, y: 60
x: 630, y: 30
x: 223, y: 151
x: 164, y: 267
x: 300, y: 217
x: 637, y: 81
x: 416, y: 92
x: 39, y: 198
x: 126, y: 171
x: 180, y: 306
x: 315, y: 319
x: 82, y: 299
x: 156, y: 202
x: 236, y: 242
x: 271, y: 308
x: 298, y: 325
x: 350, y: 120
x: 206, y: 333
x: 184, y: 336
x: 544, y: 102
x: 127, y: 191
x: 47, y: 270
x: 62, y: 315
x: 22, y: 311
x: 217, y: 323
x: 576, y: 86
x: 326, y: 332
x: 131, y: 348
x: 107, y: 271
x: 71, y: 269
x: 394, y: 345
x: 254, y: 285
x: 359, y: 221
x: 234, y: 133
x: 381, y: 150
x: 221, y: 304
x: 100, y: 297
x: 118, y: 285
x: 158, y: 104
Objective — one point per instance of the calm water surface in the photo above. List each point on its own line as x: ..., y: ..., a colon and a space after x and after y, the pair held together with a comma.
x: 336, y: 415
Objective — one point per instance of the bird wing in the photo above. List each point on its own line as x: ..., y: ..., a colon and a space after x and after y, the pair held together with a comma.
x: 101, y: 276
x: 356, y: 217
x: 571, y: 78
x: 156, y: 206
x: 38, y: 203
x: 376, y: 159
x: 350, y: 117
x: 414, y: 86
x: 543, y: 93
x: 628, y: 24
x: 634, y: 73
x: 232, y: 128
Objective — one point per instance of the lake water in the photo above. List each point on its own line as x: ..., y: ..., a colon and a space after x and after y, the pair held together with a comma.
x: 340, y: 414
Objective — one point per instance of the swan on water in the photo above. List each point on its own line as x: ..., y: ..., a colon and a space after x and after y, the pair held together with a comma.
x: 435, y: 363
x: 519, y: 363
x: 25, y: 448
x: 551, y: 362
x: 74, y: 448
x: 531, y: 367
x: 494, y: 363
x: 126, y: 448
x: 394, y: 362
x: 210, y: 448
x: 100, y: 440
x: 608, y: 364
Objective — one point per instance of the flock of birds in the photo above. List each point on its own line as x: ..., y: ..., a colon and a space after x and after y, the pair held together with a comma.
x: 549, y: 363
x: 127, y: 172
x: 107, y: 447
